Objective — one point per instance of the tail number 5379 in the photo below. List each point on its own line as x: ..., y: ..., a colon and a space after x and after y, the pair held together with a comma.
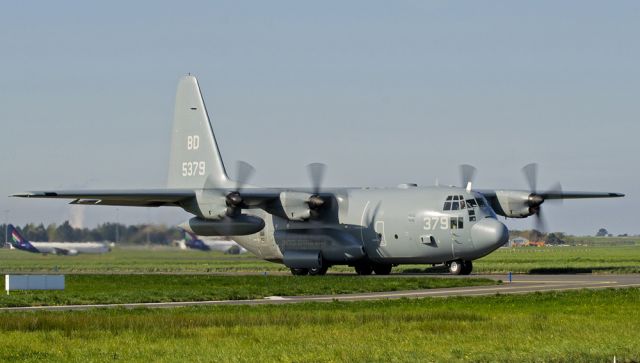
x: 191, y: 168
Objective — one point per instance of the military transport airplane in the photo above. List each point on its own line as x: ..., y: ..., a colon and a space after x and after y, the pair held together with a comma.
x: 309, y: 230
x: 56, y: 248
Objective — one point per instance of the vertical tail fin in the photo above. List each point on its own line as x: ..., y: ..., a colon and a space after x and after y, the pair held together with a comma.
x: 195, y: 159
x: 192, y: 241
x: 188, y: 236
x: 18, y: 241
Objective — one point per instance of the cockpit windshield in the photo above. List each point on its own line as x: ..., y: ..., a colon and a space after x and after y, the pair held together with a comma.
x: 457, y: 202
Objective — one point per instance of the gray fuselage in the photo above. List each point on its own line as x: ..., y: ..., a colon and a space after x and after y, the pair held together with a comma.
x: 387, y: 225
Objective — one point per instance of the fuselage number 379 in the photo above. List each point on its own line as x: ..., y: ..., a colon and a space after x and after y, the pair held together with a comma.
x: 431, y: 223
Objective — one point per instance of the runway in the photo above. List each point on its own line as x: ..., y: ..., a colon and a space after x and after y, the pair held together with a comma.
x: 521, y: 284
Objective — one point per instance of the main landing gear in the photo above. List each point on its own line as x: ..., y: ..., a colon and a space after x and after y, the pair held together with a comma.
x: 460, y: 267
x: 366, y: 268
x: 310, y: 271
x: 313, y: 271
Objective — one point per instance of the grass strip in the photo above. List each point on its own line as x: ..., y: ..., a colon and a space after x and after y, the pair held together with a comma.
x: 577, y: 326
x: 115, y: 289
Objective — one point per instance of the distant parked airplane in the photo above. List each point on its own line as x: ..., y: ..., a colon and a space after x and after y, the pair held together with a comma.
x: 194, y: 242
x: 17, y: 241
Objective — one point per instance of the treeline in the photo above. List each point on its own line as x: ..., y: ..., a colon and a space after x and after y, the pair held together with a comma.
x: 553, y: 238
x: 108, y: 232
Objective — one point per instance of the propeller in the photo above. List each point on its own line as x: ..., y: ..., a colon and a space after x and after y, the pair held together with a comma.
x: 467, y: 173
x: 316, y: 175
x: 536, y: 199
x: 234, y: 199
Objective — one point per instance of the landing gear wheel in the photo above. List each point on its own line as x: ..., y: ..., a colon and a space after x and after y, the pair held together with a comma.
x: 382, y: 269
x: 318, y: 271
x: 299, y: 271
x: 467, y: 266
x: 363, y: 269
x: 455, y: 267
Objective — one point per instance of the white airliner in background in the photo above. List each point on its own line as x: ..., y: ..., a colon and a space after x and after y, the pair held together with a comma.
x: 17, y: 241
x: 194, y: 242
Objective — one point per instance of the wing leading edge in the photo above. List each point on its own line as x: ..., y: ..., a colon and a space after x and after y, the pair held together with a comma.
x: 133, y: 198
x: 146, y: 197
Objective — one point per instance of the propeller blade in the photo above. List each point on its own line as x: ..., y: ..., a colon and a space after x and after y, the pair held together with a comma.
x: 244, y: 171
x: 467, y: 173
x: 541, y: 223
x: 316, y: 174
x: 555, y: 189
x: 531, y: 174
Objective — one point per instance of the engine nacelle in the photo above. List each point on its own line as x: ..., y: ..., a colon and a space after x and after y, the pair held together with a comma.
x: 296, y: 205
x: 207, y: 204
x: 241, y: 225
x: 514, y: 204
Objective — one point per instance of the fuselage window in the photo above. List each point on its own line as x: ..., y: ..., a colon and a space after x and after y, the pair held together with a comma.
x: 456, y: 223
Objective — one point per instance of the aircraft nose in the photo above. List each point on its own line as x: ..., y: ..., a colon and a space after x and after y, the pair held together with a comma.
x: 489, y: 233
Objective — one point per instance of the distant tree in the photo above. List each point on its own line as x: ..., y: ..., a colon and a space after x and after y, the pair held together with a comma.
x: 65, y: 232
x: 555, y: 238
x: 535, y: 235
x: 35, y: 233
x: 602, y: 232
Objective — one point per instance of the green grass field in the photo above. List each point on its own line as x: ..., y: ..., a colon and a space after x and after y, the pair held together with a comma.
x: 582, y: 326
x: 94, y: 289
x: 617, y: 259
x: 579, y: 259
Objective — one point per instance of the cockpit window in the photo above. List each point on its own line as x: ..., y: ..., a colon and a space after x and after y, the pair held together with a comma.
x: 457, y: 202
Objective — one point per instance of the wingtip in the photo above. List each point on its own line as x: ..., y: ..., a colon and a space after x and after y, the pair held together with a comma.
x: 20, y: 195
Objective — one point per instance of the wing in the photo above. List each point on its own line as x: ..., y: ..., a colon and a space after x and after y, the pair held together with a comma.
x: 133, y: 198
x: 254, y: 197
x: 521, y: 204
x: 489, y: 194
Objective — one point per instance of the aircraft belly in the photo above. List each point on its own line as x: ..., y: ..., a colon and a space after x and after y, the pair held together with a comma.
x: 336, y: 246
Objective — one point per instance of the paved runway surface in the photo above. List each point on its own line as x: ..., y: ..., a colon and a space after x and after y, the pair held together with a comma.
x: 521, y: 284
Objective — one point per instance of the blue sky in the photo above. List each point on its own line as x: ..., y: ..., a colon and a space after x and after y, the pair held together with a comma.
x: 383, y: 92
